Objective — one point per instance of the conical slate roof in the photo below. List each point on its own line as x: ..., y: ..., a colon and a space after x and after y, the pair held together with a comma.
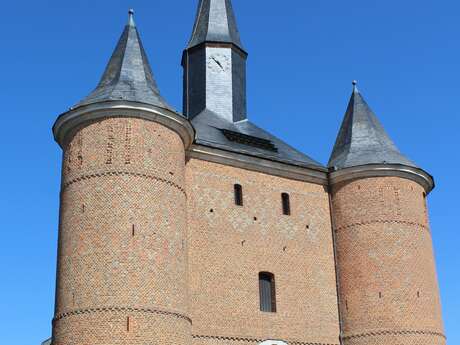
x: 362, y: 139
x: 128, y: 75
x: 215, y: 22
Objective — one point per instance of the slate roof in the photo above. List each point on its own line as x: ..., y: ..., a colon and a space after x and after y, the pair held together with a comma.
x: 209, y: 125
x: 215, y: 22
x: 128, y: 75
x: 362, y: 139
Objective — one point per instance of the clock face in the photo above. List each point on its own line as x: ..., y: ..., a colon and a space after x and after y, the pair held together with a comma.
x: 218, y: 63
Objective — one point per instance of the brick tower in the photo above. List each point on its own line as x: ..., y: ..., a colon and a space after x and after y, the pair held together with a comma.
x: 122, y: 261
x: 388, y: 289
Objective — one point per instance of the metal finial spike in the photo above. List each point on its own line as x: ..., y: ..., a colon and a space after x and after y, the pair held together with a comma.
x: 131, y: 17
x: 355, y: 87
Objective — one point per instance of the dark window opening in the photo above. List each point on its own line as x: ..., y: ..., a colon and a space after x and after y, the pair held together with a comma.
x: 238, y: 195
x: 267, y: 292
x: 286, y: 204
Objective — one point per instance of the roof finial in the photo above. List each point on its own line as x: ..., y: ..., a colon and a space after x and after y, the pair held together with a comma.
x: 355, y: 87
x: 131, y: 17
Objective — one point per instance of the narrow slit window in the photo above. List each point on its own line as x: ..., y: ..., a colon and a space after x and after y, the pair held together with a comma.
x: 286, y: 204
x: 238, y: 195
x: 267, y: 292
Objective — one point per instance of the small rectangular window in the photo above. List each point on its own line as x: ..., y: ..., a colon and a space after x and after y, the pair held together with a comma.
x: 267, y: 292
x: 286, y: 204
x: 238, y: 195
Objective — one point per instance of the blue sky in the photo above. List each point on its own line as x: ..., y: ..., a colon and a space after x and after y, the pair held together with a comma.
x: 303, y: 56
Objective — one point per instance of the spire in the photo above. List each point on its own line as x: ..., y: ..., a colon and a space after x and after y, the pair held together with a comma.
x: 362, y: 139
x: 128, y: 75
x: 215, y: 22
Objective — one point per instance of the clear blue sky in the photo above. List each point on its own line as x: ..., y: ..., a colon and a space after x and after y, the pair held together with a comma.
x: 303, y: 56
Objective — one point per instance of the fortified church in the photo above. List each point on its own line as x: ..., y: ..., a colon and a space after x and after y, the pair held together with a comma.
x: 202, y: 228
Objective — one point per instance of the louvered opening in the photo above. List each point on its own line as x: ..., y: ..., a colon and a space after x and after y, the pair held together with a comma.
x: 249, y: 140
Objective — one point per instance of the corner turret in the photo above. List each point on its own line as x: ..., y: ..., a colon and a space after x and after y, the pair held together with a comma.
x: 388, y: 291
x: 122, y: 252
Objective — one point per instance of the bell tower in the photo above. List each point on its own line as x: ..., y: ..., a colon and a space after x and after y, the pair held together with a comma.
x: 214, y: 64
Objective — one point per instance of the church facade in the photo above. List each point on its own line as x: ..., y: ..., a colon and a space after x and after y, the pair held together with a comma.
x: 202, y: 228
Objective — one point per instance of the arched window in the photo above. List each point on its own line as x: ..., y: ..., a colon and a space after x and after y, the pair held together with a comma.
x: 267, y: 292
x: 286, y: 203
x: 238, y: 195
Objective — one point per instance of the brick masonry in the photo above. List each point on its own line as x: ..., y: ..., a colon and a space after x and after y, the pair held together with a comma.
x: 153, y: 250
x: 230, y: 245
x: 388, y: 287
x: 122, y: 272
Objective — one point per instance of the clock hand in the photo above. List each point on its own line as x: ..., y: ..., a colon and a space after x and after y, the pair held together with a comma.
x: 217, y: 62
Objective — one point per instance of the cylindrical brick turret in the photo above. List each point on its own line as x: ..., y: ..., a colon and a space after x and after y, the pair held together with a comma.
x: 386, y: 271
x: 122, y: 264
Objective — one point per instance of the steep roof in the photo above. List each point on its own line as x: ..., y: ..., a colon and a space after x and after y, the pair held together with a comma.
x: 128, y: 75
x: 246, y: 138
x: 362, y: 139
x: 215, y: 22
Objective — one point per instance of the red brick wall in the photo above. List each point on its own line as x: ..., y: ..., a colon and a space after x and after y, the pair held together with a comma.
x: 388, y: 287
x: 149, y: 243
x: 122, y: 265
x: 229, y: 245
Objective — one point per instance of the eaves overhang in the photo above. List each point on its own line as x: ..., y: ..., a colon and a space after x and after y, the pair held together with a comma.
x: 312, y: 174
x: 68, y: 123
x: 383, y: 170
